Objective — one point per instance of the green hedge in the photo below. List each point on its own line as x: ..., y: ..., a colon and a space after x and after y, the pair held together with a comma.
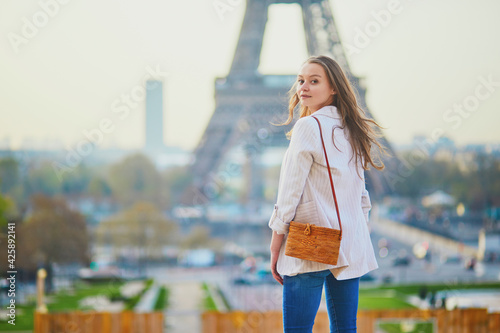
x: 133, y: 301
x: 208, y: 301
x: 162, y: 300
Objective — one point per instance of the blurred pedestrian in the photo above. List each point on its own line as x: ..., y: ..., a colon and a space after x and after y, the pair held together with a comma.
x: 443, y: 301
x: 432, y: 300
x: 305, y: 195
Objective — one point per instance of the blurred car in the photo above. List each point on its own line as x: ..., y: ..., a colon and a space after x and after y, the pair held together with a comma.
x: 387, y: 278
x: 198, y: 258
x: 452, y: 259
x: 402, y: 261
x: 246, y: 280
x: 264, y: 275
x: 261, y: 275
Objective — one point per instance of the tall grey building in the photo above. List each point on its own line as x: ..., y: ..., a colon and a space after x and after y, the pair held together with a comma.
x: 154, y: 116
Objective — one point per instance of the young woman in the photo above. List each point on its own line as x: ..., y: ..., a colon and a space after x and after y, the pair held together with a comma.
x: 305, y: 194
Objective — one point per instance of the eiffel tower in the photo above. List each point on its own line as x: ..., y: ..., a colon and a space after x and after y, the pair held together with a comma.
x: 247, y: 102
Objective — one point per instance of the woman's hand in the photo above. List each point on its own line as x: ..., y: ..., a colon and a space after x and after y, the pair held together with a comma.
x: 274, y: 269
x: 275, y: 251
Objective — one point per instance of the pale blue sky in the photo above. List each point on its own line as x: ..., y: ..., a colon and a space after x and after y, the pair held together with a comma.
x: 69, y: 76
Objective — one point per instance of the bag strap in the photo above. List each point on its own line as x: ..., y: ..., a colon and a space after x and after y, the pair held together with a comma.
x: 330, y: 174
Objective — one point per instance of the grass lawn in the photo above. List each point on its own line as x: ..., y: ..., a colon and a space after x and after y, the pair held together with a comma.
x: 374, y: 299
x: 413, y: 289
x: 62, y: 301
x: 407, y: 328
x: 24, y: 319
x: 393, y: 297
x: 67, y: 300
x: 376, y: 303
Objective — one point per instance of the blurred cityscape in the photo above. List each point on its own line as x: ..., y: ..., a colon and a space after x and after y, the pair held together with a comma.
x: 185, y: 232
x: 121, y: 215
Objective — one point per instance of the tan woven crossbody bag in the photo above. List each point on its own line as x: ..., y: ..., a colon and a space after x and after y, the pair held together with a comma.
x: 310, y: 242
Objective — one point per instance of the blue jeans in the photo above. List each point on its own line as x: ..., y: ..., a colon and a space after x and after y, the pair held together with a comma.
x: 302, y: 296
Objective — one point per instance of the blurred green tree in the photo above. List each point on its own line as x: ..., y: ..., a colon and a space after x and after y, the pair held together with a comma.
x: 76, y: 182
x: 6, y: 208
x: 430, y: 175
x: 41, y: 178
x: 199, y: 237
x: 9, y: 174
x: 481, y: 184
x: 176, y: 180
x: 136, y: 179
x: 51, y: 233
x: 477, y: 186
x: 99, y: 188
x: 140, y: 231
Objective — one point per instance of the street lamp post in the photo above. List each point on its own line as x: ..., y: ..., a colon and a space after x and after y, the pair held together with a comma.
x: 40, y: 288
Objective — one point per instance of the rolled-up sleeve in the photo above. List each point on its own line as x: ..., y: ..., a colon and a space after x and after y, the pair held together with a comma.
x: 295, y: 169
x: 366, y: 204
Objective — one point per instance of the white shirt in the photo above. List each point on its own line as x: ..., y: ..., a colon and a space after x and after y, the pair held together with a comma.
x: 305, y: 195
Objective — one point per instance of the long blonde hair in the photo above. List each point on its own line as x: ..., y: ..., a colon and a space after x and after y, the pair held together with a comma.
x: 362, y: 130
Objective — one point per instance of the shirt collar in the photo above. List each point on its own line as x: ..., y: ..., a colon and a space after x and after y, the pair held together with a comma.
x: 329, y: 111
